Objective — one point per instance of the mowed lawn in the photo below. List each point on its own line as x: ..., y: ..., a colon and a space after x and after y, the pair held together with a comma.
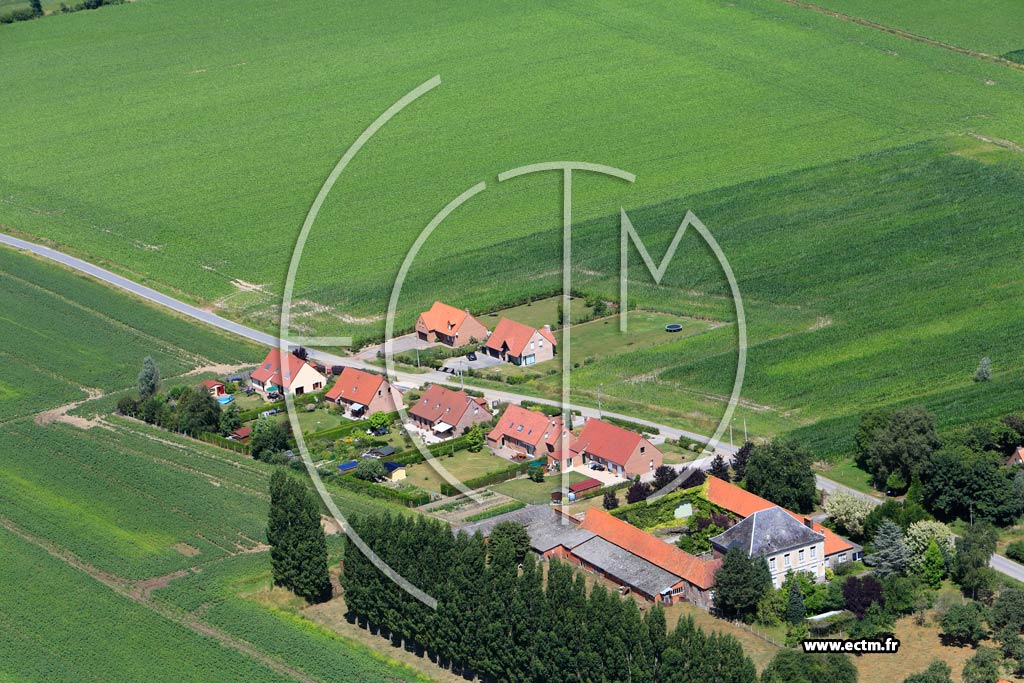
x: 534, y: 492
x: 463, y: 465
x: 171, y: 199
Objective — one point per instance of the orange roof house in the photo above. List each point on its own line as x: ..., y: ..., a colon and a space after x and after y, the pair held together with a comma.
x: 623, y: 452
x: 213, y: 386
x: 1017, y: 458
x: 528, y: 433
x: 363, y: 393
x: 649, y: 565
x: 520, y: 344
x: 743, y: 503
x: 292, y: 375
x: 449, y: 325
x: 446, y: 412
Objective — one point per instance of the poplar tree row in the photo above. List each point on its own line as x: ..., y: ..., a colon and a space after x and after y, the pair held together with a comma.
x: 500, y: 618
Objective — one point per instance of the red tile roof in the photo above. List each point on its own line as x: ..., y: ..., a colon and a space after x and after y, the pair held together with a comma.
x: 242, y: 432
x: 700, y: 573
x: 444, y: 318
x: 606, y: 441
x: 584, y: 485
x: 439, y: 404
x: 270, y: 369
x: 531, y: 427
x: 211, y: 383
x: 1017, y: 458
x: 513, y: 337
x: 744, y: 503
x: 355, y: 386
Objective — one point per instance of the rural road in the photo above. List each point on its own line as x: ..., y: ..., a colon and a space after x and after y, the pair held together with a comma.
x: 998, y: 562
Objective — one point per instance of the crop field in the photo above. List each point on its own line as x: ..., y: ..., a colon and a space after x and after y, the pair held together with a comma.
x: 228, y: 596
x: 171, y: 200
x: 62, y: 626
x: 82, y: 335
x: 992, y: 26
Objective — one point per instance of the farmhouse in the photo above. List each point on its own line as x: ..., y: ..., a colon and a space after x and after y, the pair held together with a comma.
x: 1017, y: 458
x: 449, y: 325
x: 361, y: 393
x: 623, y: 452
x: 742, y: 503
x: 787, y: 544
x: 292, y: 375
x: 520, y: 344
x: 522, y: 433
x: 445, y: 412
x: 215, y: 388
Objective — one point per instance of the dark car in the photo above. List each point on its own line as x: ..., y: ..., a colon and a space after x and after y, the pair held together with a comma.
x: 471, y: 356
x: 596, y: 466
x: 336, y: 369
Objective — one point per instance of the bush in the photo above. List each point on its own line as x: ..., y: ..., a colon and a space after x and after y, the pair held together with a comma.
x: 1015, y: 551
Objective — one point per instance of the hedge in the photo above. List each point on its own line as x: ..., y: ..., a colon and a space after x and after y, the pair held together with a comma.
x: 496, y: 510
x: 635, y: 426
x: 406, y: 498
x: 218, y: 440
x: 594, y: 493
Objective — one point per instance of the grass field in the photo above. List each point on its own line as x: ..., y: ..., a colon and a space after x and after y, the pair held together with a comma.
x: 535, y: 493
x: 170, y: 199
x: 992, y: 26
x: 463, y: 466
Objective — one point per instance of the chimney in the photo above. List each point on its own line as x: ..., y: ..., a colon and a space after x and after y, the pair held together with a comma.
x: 547, y: 327
x: 809, y: 523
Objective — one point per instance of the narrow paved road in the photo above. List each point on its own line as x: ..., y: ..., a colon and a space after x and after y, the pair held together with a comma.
x: 999, y: 563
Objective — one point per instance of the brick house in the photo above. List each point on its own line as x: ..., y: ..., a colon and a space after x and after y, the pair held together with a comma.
x: 520, y: 344
x: 362, y: 393
x: 623, y: 452
x: 527, y: 434
x: 292, y: 375
x: 445, y: 412
x: 449, y: 325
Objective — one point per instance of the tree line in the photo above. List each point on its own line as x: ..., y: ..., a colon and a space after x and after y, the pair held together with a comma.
x: 501, y: 617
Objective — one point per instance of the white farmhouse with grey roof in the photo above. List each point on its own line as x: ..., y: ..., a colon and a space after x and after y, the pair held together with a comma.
x: 783, y: 541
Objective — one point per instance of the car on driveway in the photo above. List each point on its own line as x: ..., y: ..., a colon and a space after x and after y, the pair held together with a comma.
x: 597, y: 467
x: 471, y: 356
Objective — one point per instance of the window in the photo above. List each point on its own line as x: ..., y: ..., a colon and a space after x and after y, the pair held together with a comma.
x: 842, y: 557
x: 771, y: 564
x: 652, y: 466
x: 786, y: 560
x: 643, y: 448
x: 800, y: 556
x: 814, y: 552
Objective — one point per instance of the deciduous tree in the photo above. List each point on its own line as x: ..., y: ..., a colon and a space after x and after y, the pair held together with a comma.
x: 962, y: 624
x: 848, y: 512
x: 740, y: 583
x: 781, y: 472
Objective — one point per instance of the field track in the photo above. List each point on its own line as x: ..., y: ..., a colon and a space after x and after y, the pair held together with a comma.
x: 996, y: 59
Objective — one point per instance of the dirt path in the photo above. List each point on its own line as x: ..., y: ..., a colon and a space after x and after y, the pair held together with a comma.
x: 995, y: 59
x: 140, y: 592
x: 60, y: 414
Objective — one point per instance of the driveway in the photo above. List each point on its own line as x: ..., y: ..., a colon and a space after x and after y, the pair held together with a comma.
x: 482, y: 362
x: 407, y: 342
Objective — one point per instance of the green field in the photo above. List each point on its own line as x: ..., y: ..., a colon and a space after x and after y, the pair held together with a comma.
x: 992, y: 26
x: 62, y: 626
x: 62, y: 334
x: 171, y: 199
x: 463, y: 466
x: 536, y: 493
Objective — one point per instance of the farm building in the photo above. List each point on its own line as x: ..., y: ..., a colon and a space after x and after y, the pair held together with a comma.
x: 553, y: 533
x: 623, y: 452
x: 449, y: 325
x: 360, y: 393
x: 743, y: 503
x: 349, y: 466
x: 786, y: 543
x: 520, y: 344
x: 653, y: 568
x: 292, y: 375
x: 446, y: 412
x: 522, y: 433
x: 215, y: 388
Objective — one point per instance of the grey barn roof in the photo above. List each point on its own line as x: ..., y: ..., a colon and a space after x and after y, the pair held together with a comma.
x: 547, y: 528
x: 625, y: 566
x: 767, y: 532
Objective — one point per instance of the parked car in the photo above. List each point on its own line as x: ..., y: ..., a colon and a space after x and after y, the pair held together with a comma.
x: 471, y: 356
x: 336, y: 369
x: 596, y: 466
